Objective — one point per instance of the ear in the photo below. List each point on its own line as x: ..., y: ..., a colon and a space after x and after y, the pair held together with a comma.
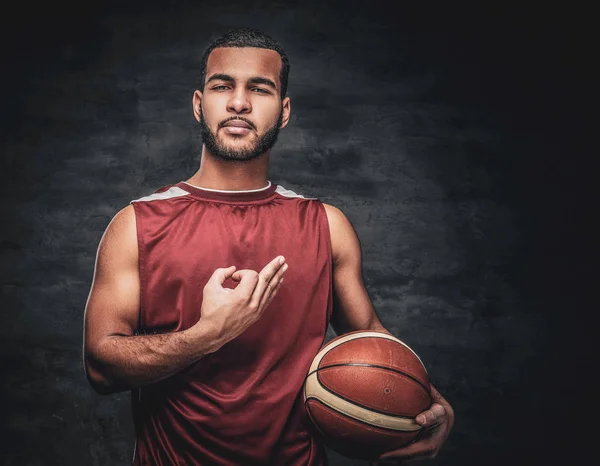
x: 197, y: 105
x: 286, y: 106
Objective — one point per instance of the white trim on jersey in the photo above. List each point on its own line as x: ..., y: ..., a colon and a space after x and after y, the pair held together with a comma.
x: 287, y: 193
x: 170, y: 193
x: 229, y: 191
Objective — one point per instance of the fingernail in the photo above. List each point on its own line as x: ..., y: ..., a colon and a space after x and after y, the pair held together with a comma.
x: 421, y: 419
x: 285, y: 267
x: 281, y: 260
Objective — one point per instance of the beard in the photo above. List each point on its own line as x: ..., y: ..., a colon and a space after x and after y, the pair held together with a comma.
x: 217, y: 147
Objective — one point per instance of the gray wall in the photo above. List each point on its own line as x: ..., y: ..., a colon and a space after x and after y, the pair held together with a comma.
x: 440, y: 133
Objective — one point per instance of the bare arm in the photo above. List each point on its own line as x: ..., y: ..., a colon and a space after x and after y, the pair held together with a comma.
x: 352, y: 307
x: 353, y: 310
x: 115, y: 359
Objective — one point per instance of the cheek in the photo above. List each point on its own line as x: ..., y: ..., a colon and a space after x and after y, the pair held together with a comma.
x: 210, y: 112
x: 269, y: 113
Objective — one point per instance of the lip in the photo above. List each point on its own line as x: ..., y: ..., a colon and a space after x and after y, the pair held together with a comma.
x: 239, y: 130
x: 237, y: 124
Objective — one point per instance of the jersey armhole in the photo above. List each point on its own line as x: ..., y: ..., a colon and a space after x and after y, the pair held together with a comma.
x: 139, y: 227
x: 326, y: 230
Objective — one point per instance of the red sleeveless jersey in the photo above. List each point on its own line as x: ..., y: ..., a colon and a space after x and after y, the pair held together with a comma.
x: 240, y: 405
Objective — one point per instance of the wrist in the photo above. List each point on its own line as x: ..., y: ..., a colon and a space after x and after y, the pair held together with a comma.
x: 206, y: 337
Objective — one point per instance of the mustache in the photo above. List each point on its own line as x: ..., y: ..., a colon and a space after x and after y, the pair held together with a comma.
x: 252, y: 125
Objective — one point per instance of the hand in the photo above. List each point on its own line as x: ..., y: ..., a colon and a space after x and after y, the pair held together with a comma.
x: 231, y: 311
x: 437, y: 422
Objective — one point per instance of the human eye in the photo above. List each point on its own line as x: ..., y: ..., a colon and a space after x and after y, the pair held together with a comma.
x: 260, y: 90
x: 220, y: 87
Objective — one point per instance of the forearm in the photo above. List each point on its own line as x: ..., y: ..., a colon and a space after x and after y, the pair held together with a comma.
x: 122, y: 362
x: 375, y: 325
x: 342, y: 324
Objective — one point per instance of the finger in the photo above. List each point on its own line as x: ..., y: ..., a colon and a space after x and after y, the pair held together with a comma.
x: 264, y: 278
x: 272, y: 291
x: 272, y: 267
x: 248, y: 281
x: 424, y: 448
x: 237, y: 276
x: 434, y: 415
x: 220, y: 275
x: 273, y: 284
x: 438, y: 398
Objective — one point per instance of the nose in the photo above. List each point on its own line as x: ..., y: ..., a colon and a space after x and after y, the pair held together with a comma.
x: 239, y: 102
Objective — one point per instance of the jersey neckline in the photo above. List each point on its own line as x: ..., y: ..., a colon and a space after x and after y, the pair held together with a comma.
x: 229, y: 196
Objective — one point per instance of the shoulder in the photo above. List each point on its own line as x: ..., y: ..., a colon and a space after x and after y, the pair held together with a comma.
x: 333, y: 211
x: 338, y: 222
x: 123, y: 221
x: 120, y: 236
x: 344, y: 240
x: 124, y: 217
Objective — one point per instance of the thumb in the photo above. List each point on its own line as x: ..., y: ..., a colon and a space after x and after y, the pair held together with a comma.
x: 220, y: 275
x: 434, y: 415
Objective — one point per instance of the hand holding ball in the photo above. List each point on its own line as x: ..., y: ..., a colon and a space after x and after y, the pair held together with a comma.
x: 363, y: 391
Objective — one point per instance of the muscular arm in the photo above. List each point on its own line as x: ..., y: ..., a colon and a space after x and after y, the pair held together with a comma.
x: 115, y: 359
x: 353, y: 311
x: 352, y: 307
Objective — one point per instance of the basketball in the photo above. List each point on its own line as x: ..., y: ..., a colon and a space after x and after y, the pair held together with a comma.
x: 363, y: 392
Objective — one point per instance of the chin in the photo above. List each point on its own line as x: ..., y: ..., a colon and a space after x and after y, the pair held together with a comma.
x: 237, y: 143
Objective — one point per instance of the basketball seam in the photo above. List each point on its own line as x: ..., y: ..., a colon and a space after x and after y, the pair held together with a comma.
x: 355, y: 419
x: 371, y: 365
x: 358, y: 337
x: 355, y: 403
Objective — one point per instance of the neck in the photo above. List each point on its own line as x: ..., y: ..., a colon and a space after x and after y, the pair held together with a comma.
x: 215, y: 173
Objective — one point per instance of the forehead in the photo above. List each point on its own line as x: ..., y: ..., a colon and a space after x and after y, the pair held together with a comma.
x: 244, y: 62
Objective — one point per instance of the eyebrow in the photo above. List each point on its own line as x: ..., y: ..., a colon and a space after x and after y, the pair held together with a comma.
x: 219, y: 77
x: 254, y: 80
x: 265, y: 81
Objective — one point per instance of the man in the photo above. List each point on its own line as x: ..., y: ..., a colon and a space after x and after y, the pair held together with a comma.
x: 183, y: 311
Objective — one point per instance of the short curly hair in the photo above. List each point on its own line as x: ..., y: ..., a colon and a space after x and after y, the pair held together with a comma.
x: 247, y: 37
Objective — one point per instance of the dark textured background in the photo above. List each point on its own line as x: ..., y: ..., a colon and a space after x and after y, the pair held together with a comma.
x: 448, y: 136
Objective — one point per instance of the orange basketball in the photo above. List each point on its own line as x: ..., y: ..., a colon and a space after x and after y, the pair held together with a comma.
x: 363, y: 392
